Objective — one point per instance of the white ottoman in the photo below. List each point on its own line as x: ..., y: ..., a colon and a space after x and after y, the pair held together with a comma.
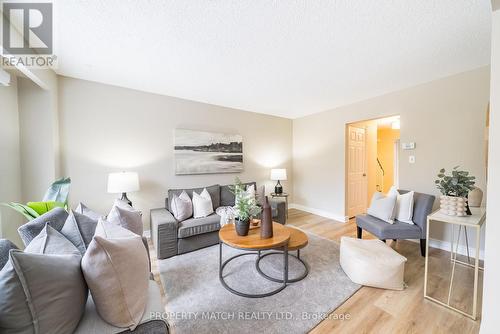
x: 372, y: 263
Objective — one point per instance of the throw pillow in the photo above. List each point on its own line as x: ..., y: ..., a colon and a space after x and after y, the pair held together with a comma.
x: 182, y: 206
x: 56, y: 217
x: 79, y: 229
x: 116, y: 269
x: 202, y: 204
x: 42, y: 290
x: 404, y: 208
x: 131, y: 220
x: 248, y: 193
x: 84, y: 210
x: 382, y: 207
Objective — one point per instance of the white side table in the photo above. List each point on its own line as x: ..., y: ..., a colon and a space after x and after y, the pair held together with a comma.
x: 476, y: 221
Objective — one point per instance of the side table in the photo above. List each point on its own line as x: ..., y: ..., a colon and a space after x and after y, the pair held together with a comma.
x: 285, y: 196
x: 475, y: 221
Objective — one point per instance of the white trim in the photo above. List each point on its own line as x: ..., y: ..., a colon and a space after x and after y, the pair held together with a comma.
x: 147, y: 234
x: 446, y: 246
x: 319, y: 212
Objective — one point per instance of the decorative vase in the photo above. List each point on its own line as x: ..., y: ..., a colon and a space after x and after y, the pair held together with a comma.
x: 475, y: 197
x: 454, y: 206
x: 266, y: 224
x: 242, y: 227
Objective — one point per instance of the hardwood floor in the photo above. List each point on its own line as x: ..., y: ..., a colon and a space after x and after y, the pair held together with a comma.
x: 372, y: 310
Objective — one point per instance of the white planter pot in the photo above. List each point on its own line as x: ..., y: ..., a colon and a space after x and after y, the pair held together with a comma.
x: 453, y: 206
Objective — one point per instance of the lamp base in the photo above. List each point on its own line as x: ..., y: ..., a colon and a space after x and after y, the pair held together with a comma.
x: 125, y: 199
x: 278, y: 189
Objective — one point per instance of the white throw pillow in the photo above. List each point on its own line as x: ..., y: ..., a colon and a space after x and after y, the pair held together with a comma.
x: 382, y: 207
x: 404, y: 208
x: 116, y: 269
x: 182, y: 206
x: 202, y: 204
x: 248, y: 193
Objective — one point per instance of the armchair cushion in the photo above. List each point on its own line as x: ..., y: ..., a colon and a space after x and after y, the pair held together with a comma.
x: 382, y: 230
x: 5, y: 247
x: 195, y: 226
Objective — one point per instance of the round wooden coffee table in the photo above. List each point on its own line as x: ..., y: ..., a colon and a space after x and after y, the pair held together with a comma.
x: 254, y: 244
x: 298, y: 240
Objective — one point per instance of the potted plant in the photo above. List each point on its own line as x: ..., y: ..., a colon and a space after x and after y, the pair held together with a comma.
x: 455, y: 189
x: 245, y: 207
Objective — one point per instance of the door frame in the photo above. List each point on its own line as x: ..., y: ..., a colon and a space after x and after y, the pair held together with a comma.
x: 346, y: 156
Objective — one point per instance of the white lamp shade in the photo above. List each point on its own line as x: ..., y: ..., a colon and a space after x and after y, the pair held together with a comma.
x: 278, y: 174
x: 123, y: 182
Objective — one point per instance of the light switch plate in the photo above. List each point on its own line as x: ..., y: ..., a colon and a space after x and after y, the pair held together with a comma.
x: 408, y: 146
x: 411, y: 159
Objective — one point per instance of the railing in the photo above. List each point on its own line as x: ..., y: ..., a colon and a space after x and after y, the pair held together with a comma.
x: 380, y: 176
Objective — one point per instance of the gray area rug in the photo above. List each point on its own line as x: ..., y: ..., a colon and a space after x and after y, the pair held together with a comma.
x: 198, y: 303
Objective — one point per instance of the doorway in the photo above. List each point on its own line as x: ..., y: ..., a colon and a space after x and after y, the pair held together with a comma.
x: 372, y: 161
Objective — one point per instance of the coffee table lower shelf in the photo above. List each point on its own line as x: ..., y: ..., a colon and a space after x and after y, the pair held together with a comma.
x: 256, y: 253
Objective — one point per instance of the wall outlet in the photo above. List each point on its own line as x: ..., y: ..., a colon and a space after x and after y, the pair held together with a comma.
x: 411, y: 159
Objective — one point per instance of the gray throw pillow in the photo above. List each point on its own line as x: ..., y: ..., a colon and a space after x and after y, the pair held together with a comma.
x: 84, y: 210
x: 56, y: 217
x: 5, y: 247
x: 131, y: 220
x: 42, y: 290
x: 79, y: 229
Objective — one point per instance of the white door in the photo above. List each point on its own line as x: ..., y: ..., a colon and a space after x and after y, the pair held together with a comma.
x: 357, y: 183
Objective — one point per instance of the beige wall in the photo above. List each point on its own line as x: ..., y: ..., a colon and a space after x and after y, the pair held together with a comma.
x: 106, y: 129
x: 385, y: 153
x: 39, y: 135
x: 446, y: 119
x: 10, y: 165
x: 491, y: 291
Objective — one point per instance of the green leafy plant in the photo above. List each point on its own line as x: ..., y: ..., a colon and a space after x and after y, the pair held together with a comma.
x: 25, y: 210
x: 245, y: 206
x: 458, y: 184
x: 56, y: 196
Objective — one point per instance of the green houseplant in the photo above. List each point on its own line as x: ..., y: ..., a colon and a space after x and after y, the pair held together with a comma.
x: 455, y: 189
x: 56, y: 196
x: 245, y: 207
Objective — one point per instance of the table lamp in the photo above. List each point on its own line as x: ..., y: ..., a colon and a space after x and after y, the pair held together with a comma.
x: 123, y: 182
x: 278, y: 174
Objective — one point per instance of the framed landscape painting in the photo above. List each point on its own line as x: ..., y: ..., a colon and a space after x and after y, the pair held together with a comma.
x: 199, y: 152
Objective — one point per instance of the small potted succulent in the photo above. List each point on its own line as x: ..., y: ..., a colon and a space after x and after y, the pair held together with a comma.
x: 245, y: 208
x: 455, y: 189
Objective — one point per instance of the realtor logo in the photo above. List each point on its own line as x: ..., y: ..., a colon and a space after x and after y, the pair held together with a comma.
x: 27, y: 28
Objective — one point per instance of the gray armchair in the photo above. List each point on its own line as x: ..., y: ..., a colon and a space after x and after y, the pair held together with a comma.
x: 422, y: 207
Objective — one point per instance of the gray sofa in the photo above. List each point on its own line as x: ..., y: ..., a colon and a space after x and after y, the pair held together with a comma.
x: 91, y: 322
x: 171, y: 237
x: 422, y: 207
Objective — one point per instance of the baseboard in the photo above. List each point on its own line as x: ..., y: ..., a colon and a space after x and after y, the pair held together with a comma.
x: 147, y: 234
x: 319, y: 212
x: 446, y: 246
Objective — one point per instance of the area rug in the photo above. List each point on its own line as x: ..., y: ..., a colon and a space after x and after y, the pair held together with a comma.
x: 198, y: 303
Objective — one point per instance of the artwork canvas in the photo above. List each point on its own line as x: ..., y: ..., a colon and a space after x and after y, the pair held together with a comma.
x: 199, y: 152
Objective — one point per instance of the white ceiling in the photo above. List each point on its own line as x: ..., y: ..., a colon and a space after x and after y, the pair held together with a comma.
x: 285, y: 58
